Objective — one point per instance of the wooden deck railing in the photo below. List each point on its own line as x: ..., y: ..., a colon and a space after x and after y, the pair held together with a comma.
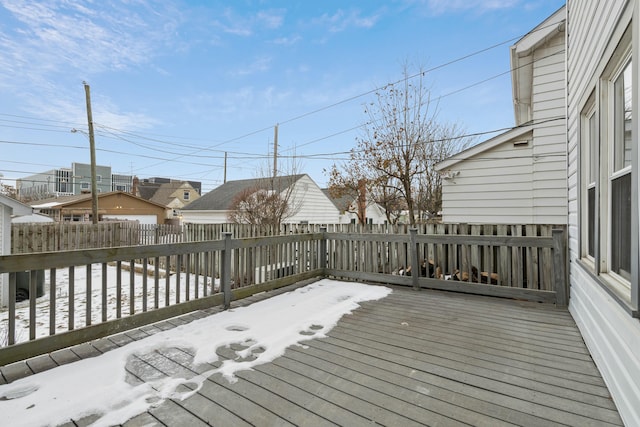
x: 98, y: 292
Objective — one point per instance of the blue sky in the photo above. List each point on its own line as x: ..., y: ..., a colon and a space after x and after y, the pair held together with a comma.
x: 176, y: 84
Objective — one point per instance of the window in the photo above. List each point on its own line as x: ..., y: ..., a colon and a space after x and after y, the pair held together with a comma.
x: 589, y: 149
x: 606, y: 162
x: 620, y: 175
x: 84, y: 185
x: 121, y: 187
x: 98, y: 178
x: 186, y: 195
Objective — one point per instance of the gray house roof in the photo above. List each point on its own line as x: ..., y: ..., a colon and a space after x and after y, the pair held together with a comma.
x: 220, y: 198
x: 342, y: 203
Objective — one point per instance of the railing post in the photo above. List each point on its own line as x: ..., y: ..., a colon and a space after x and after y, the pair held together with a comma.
x: 323, y: 250
x: 11, y: 335
x: 225, y: 270
x: 559, y: 267
x: 413, y: 253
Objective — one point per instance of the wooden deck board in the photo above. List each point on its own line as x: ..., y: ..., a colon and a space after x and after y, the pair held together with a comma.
x: 401, y: 400
x: 413, y: 358
x: 399, y: 376
x: 541, y: 381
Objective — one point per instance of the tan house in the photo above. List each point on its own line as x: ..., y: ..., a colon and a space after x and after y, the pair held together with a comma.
x: 174, y: 195
x: 115, y: 205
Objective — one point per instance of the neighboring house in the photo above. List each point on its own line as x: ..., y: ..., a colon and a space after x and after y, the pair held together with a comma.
x: 603, y: 164
x: 115, y: 205
x: 168, y: 192
x: 70, y: 181
x: 311, y: 205
x: 519, y: 177
x: 8, y: 208
x: 175, y: 196
x: 348, y: 207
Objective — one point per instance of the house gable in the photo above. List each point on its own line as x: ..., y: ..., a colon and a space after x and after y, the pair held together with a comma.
x: 524, y: 56
x: 523, y: 170
x: 310, y: 204
x: 115, y: 204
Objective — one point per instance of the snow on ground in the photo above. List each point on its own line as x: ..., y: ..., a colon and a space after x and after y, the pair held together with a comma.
x: 80, y: 298
x: 98, y: 386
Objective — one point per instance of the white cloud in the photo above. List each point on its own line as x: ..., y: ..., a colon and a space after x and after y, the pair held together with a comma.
x: 271, y: 19
x: 342, y: 20
x: 287, y: 41
x: 49, y: 42
x: 480, y: 6
x: 259, y: 65
x: 64, y: 34
x: 245, y: 26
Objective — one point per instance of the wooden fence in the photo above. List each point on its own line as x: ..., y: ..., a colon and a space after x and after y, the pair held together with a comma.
x: 89, y: 294
x: 65, y: 236
x: 47, y: 237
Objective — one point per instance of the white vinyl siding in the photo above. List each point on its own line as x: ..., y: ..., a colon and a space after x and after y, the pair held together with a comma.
x: 594, y: 31
x: 495, y: 186
x: 549, y: 165
x: 510, y: 183
x: 205, y: 217
x: 313, y: 205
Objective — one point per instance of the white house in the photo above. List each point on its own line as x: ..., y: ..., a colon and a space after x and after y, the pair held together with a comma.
x: 347, y: 206
x: 603, y: 158
x: 311, y: 205
x: 519, y: 177
x: 8, y: 208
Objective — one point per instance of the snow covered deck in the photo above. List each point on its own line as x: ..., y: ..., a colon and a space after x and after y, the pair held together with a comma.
x: 409, y: 358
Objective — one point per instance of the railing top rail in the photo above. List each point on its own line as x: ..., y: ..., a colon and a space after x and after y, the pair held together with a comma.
x: 368, y: 237
x: 465, y: 239
x: 46, y: 260
x: 247, y: 242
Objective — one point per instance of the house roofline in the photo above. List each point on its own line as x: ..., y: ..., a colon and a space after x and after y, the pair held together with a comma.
x: 522, y: 66
x: 484, y: 146
x: 17, y: 207
x: 60, y: 202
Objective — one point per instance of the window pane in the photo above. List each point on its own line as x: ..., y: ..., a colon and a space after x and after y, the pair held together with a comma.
x: 623, y: 109
x: 592, y: 150
x: 591, y: 214
x: 621, y: 225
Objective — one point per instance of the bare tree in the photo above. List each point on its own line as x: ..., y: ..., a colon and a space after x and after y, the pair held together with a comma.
x: 389, y: 198
x: 401, y: 142
x: 447, y: 139
x: 352, y: 185
x: 259, y: 206
x: 8, y: 190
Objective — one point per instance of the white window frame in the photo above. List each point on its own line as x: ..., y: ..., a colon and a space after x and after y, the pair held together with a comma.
x: 589, y: 146
x: 611, y: 174
x: 607, y: 172
x: 625, y: 290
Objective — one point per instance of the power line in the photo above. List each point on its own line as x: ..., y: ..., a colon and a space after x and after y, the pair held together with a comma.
x: 348, y: 99
x: 330, y: 155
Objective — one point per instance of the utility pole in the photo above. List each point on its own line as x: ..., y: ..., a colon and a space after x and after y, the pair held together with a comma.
x: 275, y: 151
x: 225, y: 167
x: 92, y: 148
